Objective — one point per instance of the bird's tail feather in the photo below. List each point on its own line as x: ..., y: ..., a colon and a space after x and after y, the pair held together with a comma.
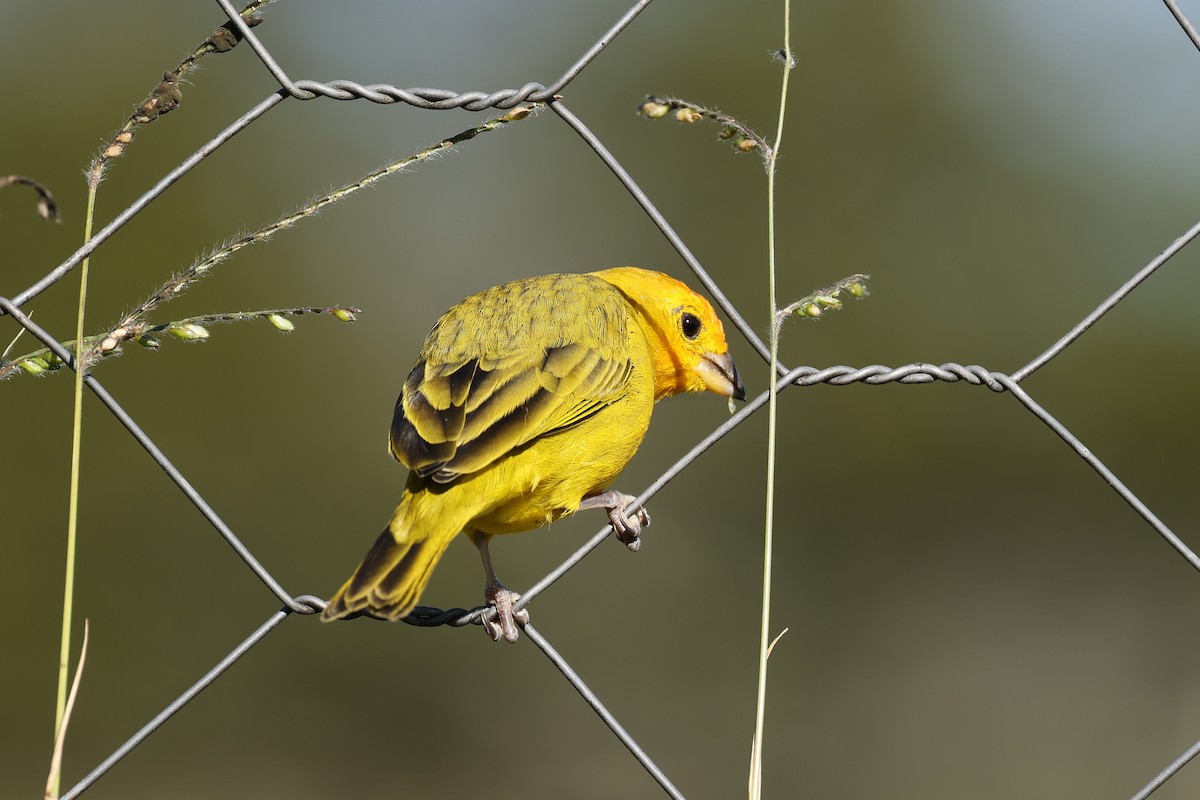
x: 389, y: 581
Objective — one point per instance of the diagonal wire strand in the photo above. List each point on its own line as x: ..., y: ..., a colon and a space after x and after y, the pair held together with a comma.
x: 1184, y: 22
x: 159, y: 458
x: 196, y: 688
x: 679, y: 466
x: 592, y: 700
x: 659, y: 220
x: 1168, y: 772
x: 343, y: 90
x: 153, y: 192
x: 1108, y: 304
x: 1095, y: 463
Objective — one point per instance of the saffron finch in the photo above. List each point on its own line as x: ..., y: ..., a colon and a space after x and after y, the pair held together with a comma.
x: 526, y: 401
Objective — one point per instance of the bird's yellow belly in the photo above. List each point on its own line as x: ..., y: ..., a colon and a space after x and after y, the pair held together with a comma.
x: 555, y: 473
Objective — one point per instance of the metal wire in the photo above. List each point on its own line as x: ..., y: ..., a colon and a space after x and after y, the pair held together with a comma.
x: 1108, y: 304
x: 438, y: 99
x: 658, y: 219
x: 1184, y: 22
x: 159, y: 458
x: 179, y: 702
x: 1104, y: 472
x: 102, y: 235
x: 803, y: 376
x: 590, y: 698
x: 1169, y: 771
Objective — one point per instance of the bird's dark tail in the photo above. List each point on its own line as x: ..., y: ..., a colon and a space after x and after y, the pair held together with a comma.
x: 389, y: 581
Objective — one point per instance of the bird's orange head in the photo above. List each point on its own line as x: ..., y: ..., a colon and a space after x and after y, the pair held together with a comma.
x: 687, y: 340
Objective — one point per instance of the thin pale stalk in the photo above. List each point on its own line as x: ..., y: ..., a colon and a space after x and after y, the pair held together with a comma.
x: 64, y: 653
x: 772, y: 423
x: 60, y: 737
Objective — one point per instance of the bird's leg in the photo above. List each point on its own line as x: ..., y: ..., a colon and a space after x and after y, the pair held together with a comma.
x: 628, y: 529
x: 499, y: 596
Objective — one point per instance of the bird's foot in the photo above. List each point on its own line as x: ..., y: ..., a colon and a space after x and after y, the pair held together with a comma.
x: 506, y: 621
x: 627, y: 528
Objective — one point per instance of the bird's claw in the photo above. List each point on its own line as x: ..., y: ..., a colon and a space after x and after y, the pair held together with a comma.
x: 504, y: 626
x: 627, y: 528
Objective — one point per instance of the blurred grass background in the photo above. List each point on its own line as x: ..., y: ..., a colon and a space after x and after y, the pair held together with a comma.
x: 972, y: 611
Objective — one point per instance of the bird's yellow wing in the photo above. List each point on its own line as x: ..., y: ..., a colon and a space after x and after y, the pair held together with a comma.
x: 510, y: 365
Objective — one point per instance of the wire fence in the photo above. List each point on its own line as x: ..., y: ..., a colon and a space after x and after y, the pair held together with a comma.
x: 533, y: 92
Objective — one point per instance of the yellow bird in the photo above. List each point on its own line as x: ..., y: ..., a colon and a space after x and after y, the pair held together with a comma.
x: 526, y: 402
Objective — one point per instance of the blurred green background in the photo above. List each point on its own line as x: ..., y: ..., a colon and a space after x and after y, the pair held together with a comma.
x: 972, y: 612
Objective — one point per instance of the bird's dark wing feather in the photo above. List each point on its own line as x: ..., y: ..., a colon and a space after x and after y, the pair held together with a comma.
x: 510, y: 365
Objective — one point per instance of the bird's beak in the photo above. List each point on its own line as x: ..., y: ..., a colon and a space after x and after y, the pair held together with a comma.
x: 721, y: 376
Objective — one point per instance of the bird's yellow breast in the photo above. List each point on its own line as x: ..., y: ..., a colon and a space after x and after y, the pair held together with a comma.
x: 548, y: 478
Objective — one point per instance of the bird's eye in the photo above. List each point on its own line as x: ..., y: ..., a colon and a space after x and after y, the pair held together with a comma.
x: 690, y: 324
